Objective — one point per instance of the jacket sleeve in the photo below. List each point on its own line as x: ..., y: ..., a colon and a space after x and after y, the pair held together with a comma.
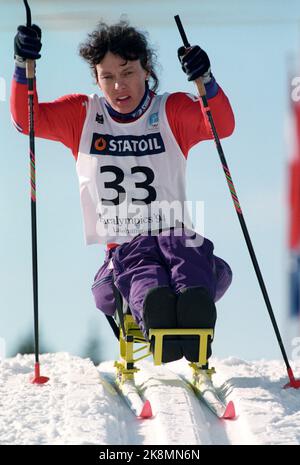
x: 189, y: 123
x: 60, y: 120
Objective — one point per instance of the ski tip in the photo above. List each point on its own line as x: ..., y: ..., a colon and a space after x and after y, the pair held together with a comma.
x: 229, y: 413
x: 146, y: 410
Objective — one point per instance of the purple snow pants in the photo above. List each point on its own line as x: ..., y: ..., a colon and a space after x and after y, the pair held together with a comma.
x: 149, y: 261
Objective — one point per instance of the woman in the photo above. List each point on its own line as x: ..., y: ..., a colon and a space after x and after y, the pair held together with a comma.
x: 131, y: 148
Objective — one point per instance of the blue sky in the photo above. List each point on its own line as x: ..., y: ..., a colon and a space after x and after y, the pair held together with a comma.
x: 250, y: 46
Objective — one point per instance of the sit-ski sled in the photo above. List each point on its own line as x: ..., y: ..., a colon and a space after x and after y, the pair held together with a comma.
x: 135, y: 347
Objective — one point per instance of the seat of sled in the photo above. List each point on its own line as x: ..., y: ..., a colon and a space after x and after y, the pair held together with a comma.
x: 128, y: 332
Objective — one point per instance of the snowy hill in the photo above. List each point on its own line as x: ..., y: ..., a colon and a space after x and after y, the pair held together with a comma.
x: 77, y: 405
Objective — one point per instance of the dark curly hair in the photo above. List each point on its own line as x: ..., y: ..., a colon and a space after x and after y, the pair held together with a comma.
x: 120, y: 39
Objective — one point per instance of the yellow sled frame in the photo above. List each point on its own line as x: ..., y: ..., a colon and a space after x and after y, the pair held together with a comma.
x: 133, y: 336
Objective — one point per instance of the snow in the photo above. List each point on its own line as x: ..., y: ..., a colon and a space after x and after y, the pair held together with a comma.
x: 79, y: 406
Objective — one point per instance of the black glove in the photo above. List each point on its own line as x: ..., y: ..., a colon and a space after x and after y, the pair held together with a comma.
x: 195, y: 63
x: 28, y: 42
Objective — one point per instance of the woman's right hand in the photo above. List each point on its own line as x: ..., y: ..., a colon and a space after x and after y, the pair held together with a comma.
x: 28, y: 43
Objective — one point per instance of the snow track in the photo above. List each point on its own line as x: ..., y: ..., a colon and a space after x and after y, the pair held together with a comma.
x: 179, y: 417
x: 79, y: 406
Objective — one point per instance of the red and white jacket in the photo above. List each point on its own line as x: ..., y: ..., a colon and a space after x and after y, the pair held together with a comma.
x: 63, y: 119
x: 69, y: 120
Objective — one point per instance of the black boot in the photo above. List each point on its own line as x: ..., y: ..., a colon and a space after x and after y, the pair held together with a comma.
x: 195, y: 309
x: 159, y: 311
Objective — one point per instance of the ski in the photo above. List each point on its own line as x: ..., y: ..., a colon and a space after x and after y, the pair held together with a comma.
x: 208, y: 394
x: 130, y: 394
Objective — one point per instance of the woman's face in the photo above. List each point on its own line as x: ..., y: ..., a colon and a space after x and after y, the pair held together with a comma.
x: 122, y: 82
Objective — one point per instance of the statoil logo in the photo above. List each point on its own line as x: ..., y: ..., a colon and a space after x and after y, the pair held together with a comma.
x: 100, y: 144
x: 137, y: 146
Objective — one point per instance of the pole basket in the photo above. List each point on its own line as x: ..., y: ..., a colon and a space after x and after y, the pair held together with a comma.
x: 37, y: 378
x: 294, y: 383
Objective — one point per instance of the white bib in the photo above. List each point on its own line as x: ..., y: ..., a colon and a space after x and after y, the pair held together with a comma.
x: 131, y: 175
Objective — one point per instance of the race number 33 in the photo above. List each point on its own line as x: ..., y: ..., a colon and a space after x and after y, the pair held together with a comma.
x: 116, y: 184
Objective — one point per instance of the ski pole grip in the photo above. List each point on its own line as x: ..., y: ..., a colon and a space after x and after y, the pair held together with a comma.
x: 182, y: 31
x: 30, y: 69
x: 28, y: 13
x: 198, y: 82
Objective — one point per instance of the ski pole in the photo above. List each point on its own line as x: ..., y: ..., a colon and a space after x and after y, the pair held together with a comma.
x: 30, y: 74
x: 202, y: 93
